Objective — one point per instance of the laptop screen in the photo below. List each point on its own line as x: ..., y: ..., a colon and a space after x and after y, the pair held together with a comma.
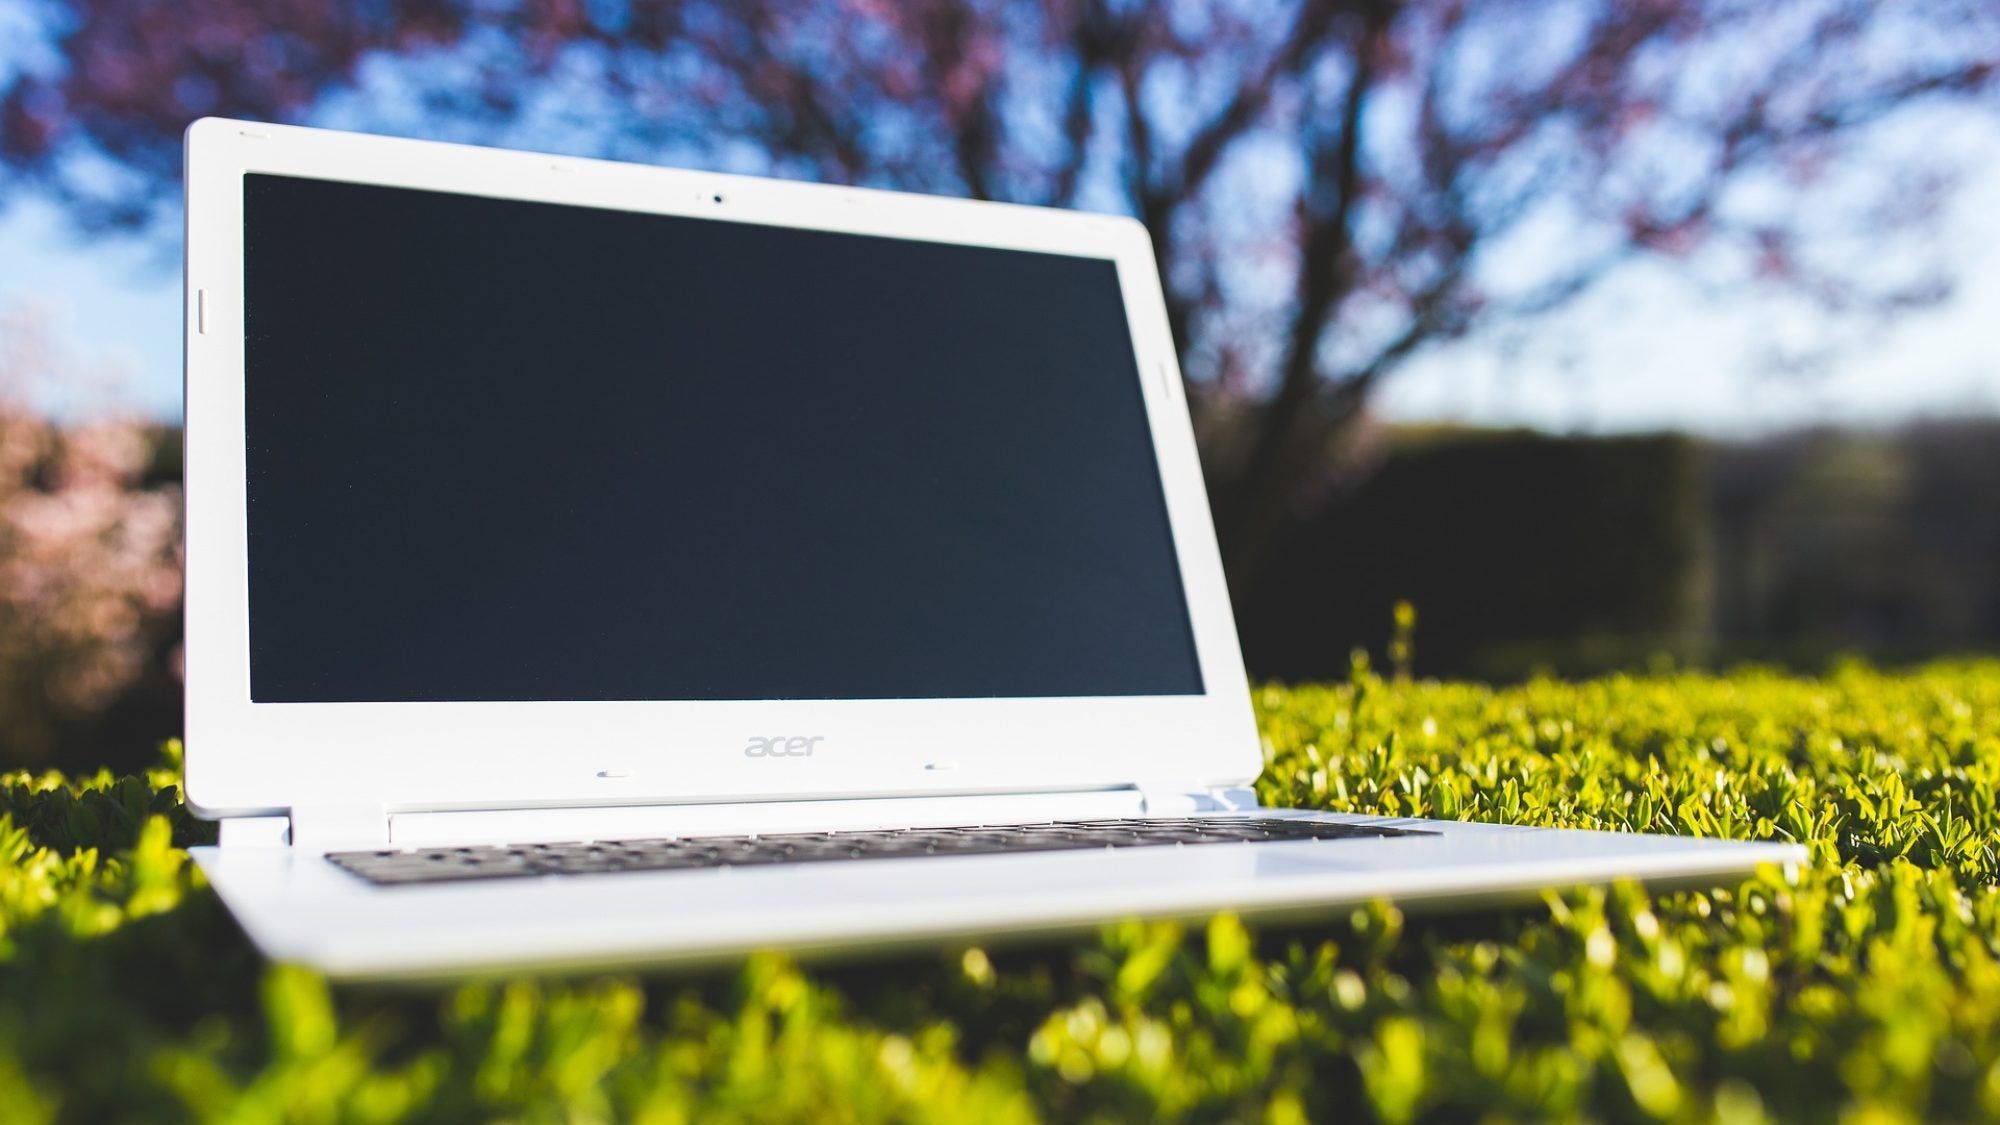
x: 504, y: 450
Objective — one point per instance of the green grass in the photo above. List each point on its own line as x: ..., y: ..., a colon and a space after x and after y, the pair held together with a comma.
x: 1864, y: 988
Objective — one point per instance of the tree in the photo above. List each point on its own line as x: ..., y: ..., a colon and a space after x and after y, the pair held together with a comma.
x: 1332, y: 185
x: 90, y: 566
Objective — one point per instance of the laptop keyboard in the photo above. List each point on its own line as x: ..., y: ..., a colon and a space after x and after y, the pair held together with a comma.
x: 438, y: 865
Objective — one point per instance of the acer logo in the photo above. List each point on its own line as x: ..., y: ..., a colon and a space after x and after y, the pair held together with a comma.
x: 782, y: 746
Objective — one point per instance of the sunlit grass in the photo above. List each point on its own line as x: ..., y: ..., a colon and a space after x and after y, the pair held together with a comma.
x: 1865, y: 987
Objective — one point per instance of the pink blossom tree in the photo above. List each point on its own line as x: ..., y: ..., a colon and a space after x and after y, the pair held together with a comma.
x: 90, y: 551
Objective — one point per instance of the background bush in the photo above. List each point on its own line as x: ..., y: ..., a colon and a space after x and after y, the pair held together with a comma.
x: 1590, y: 556
x: 90, y: 566
x: 1865, y: 987
x: 1601, y: 553
x: 1879, y: 542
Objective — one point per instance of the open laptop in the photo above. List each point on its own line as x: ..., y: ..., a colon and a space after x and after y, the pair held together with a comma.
x: 598, y: 564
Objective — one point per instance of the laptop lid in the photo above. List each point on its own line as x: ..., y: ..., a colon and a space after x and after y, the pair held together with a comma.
x: 524, y: 480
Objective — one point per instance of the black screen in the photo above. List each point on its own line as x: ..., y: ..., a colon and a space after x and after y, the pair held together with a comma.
x: 501, y: 450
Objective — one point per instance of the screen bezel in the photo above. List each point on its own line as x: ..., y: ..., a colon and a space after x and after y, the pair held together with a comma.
x: 245, y: 758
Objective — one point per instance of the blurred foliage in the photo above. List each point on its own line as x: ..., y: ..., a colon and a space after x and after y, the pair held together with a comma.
x: 90, y: 564
x: 1865, y: 987
x: 1875, y: 542
x: 1591, y: 557
x: 1615, y: 553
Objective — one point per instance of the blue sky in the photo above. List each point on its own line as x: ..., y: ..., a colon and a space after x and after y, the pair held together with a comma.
x: 1649, y: 350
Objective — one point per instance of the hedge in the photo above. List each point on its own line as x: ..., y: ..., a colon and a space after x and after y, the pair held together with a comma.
x: 1864, y: 987
x: 1592, y: 557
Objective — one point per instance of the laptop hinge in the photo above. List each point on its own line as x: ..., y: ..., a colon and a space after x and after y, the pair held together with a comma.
x: 253, y: 831
x: 325, y: 828
x: 1235, y: 798
x: 1181, y: 799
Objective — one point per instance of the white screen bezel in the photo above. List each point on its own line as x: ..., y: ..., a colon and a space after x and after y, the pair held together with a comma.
x: 246, y: 758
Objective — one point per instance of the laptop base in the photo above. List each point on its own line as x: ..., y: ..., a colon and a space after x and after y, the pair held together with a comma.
x: 302, y: 908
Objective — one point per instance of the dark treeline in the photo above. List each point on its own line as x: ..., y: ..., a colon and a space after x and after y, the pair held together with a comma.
x: 1525, y: 552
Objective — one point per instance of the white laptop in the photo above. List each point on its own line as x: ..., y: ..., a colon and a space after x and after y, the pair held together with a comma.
x: 596, y: 564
